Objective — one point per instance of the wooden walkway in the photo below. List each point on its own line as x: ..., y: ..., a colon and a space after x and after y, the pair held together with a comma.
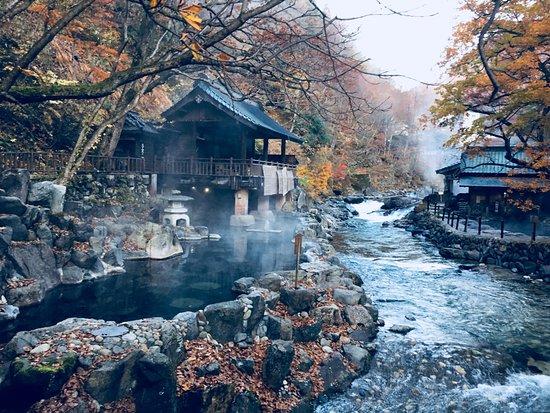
x: 52, y: 163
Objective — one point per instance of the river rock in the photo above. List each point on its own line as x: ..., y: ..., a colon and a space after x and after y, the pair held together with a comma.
x: 110, y: 331
x: 358, y: 315
x: 348, y: 297
x: 8, y: 312
x: 156, y: 384
x: 354, y: 199
x: 278, y: 328
x: 12, y: 205
x: 113, y: 380
x: 307, y: 333
x: 190, y: 319
x: 71, y: 274
x: 26, y: 295
x: 225, y: 320
x: 336, y: 376
x: 18, y: 230
x: 246, y: 402
x: 16, y: 183
x: 277, y: 363
x: 243, y: 285
x: 244, y: 365
x: 271, y: 281
x: 43, y: 380
x: 330, y: 314
x: 47, y: 194
x: 401, y: 329
x: 360, y: 357
x: 36, y: 261
x: 298, y: 300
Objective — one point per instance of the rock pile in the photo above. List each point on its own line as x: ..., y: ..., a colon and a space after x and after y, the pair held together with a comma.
x: 273, y: 348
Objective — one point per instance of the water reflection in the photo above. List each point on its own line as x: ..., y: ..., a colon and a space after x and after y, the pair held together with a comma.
x: 204, y: 274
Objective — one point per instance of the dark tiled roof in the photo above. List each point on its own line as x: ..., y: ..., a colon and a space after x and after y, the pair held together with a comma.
x: 247, y: 112
x: 135, y: 123
x: 491, y: 161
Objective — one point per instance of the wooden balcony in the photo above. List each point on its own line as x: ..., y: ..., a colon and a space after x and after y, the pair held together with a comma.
x: 51, y: 163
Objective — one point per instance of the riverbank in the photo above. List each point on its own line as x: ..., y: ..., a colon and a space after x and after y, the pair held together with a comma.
x: 519, y: 255
x: 274, y: 348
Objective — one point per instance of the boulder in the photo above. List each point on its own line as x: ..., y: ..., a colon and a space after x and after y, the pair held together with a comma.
x: 330, y: 314
x: 246, y: 402
x: 157, y: 241
x: 360, y: 357
x: 225, y: 319
x: 307, y: 333
x: 71, y: 274
x: 12, y: 205
x: 277, y: 363
x: 348, y: 297
x: 210, y: 369
x: 26, y: 295
x: 358, y: 315
x: 257, y: 311
x: 114, y: 257
x: 298, y: 300
x: 271, y: 282
x: 47, y: 194
x: 86, y: 260
x: 16, y: 183
x: 32, y: 216
x: 398, y: 202
x: 113, y: 380
x: 19, y: 231
x: 278, y: 328
x: 244, y: 365
x: 8, y: 312
x: 335, y: 374
x: 401, y: 329
x: 190, y: 319
x: 216, y: 399
x: 243, y: 285
x: 354, y: 199
x: 36, y: 261
x: 37, y: 381
x: 305, y: 363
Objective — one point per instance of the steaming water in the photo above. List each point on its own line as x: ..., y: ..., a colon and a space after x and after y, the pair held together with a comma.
x: 475, y: 331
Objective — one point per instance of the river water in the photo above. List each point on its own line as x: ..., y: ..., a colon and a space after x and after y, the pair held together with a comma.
x: 477, y: 333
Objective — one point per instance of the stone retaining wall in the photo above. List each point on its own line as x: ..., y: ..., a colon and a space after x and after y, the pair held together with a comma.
x: 525, y: 257
x: 108, y: 189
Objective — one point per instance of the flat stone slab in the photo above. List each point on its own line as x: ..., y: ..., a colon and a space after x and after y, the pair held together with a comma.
x: 110, y: 331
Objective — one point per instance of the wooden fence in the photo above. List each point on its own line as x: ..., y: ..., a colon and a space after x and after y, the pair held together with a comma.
x: 459, y: 220
x: 54, y: 163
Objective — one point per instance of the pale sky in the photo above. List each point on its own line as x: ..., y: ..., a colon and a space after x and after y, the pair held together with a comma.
x: 411, y: 46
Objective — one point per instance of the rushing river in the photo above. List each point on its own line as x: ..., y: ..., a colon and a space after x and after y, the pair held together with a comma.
x: 477, y: 333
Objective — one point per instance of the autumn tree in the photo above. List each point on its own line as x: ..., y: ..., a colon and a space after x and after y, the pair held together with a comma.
x: 499, y: 70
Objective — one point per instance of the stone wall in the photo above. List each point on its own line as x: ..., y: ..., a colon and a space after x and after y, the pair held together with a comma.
x: 525, y: 257
x: 108, y: 189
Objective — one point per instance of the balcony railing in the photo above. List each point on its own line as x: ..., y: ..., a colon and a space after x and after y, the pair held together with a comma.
x: 54, y: 163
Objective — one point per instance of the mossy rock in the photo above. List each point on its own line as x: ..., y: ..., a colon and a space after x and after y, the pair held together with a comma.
x: 44, y: 379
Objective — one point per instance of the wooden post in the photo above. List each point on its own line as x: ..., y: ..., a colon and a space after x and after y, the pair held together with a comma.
x: 211, y: 165
x: 428, y: 205
x: 298, y: 252
x: 502, y: 228
x: 283, y: 150
x: 443, y: 215
x: 466, y: 223
x: 534, y: 233
x: 449, y: 216
x: 479, y: 225
x: 452, y: 219
x: 265, y: 149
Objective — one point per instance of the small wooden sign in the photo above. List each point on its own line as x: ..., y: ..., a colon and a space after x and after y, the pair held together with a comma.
x: 298, y: 244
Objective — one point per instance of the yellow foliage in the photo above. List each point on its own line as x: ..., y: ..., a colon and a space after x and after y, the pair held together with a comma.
x: 191, y: 16
x: 315, y: 178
